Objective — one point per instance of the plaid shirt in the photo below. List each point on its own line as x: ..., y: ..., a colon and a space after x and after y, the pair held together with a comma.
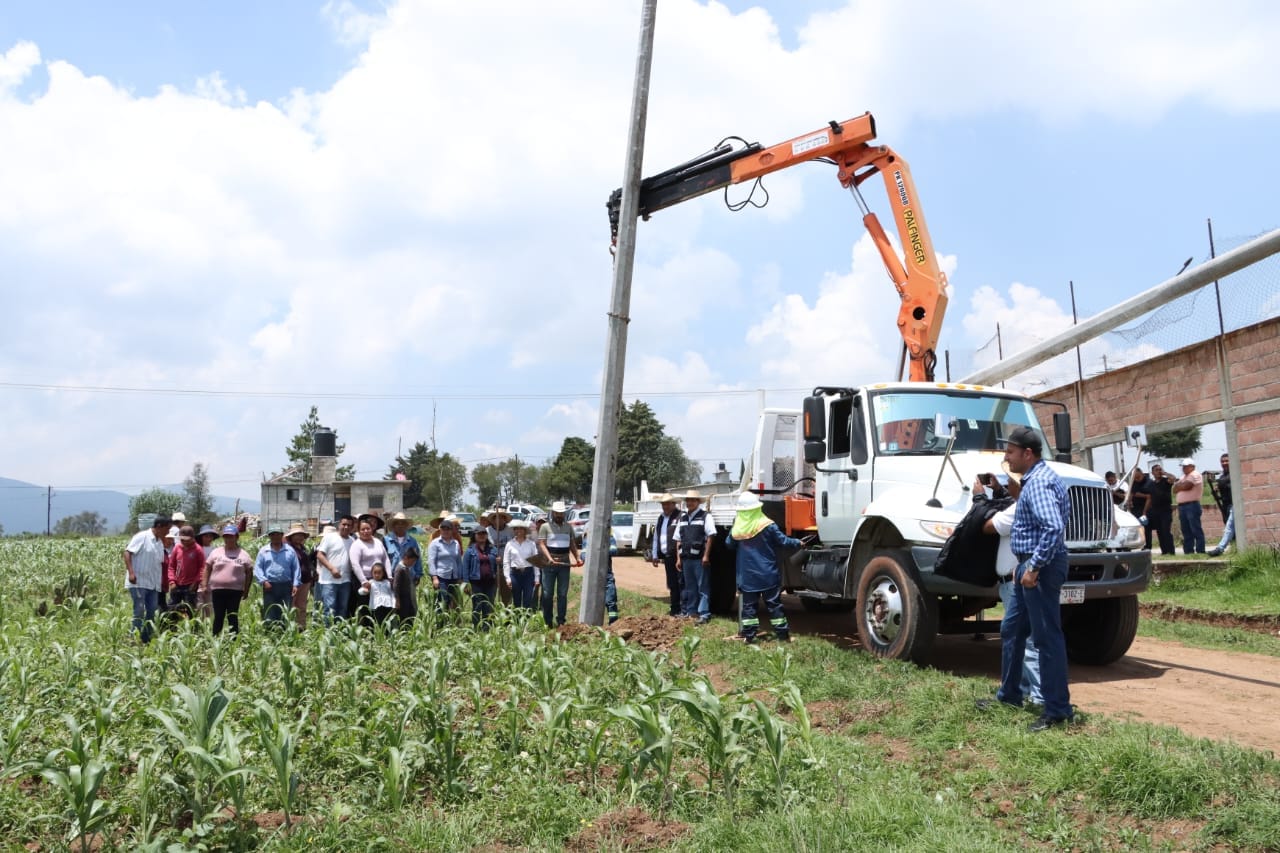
x: 1040, y: 523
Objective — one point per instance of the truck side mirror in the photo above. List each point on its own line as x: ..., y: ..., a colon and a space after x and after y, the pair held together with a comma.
x: 1062, y: 435
x: 815, y: 430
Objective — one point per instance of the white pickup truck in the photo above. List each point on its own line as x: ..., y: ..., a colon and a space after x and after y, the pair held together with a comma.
x: 881, y: 477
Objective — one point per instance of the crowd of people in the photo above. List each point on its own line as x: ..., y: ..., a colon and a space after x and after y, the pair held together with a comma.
x: 364, y: 567
x: 1152, y: 497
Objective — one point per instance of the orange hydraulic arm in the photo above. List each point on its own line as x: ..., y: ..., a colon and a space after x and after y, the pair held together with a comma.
x: 920, y: 282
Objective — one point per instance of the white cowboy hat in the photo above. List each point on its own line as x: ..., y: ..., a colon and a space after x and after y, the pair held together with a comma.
x: 691, y: 495
x: 559, y: 506
x: 665, y: 498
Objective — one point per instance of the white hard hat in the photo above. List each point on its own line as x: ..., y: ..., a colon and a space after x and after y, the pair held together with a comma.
x: 747, y: 501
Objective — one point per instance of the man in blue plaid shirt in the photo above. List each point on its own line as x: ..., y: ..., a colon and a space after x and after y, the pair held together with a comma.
x: 1039, y: 542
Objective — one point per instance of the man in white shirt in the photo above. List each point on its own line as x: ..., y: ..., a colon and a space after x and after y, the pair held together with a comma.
x: 1001, y: 524
x: 333, y: 571
x: 695, y: 532
x: 144, y: 574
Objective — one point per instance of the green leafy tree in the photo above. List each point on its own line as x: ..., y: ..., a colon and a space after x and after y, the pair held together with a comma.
x: 87, y: 523
x: 569, y: 474
x: 505, y: 481
x: 159, y: 501
x: 197, y: 501
x: 646, y: 452
x: 299, y: 452
x: 671, y: 467
x: 1175, y: 443
x: 436, y: 480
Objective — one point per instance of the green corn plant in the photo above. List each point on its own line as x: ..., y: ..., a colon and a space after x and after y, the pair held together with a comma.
x: 13, y: 737
x: 557, y: 722
x: 657, y: 748
x: 689, y: 650
x: 721, y: 731
x: 144, y: 779
x: 773, y: 732
x: 396, y: 778
x: 197, y: 727
x: 511, y: 719
x: 442, y: 744
x: 280, y: 746
x: 78, y: 780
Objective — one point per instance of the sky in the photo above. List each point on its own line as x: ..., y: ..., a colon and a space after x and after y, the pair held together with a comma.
x: 213, y: 216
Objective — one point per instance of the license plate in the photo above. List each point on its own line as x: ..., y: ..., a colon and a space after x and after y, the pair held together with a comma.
x: 1071, y: 595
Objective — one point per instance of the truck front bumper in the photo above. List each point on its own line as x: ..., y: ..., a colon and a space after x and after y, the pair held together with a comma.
x: 1103, y: 574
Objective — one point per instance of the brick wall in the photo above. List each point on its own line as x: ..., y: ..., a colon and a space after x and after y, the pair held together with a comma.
x: 1185, y: 382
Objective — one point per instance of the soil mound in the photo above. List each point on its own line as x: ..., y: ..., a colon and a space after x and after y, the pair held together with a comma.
x: 627, y: 829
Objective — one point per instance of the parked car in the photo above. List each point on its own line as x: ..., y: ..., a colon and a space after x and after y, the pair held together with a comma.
x: 624, y: 530
x: 577, y: 519
x: 467, y: 523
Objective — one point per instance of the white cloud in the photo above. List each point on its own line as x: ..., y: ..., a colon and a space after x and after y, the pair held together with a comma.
x: 1027, y: 317
x: 16, y: 64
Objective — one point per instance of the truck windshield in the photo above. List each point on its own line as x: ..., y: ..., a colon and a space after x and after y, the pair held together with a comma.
x: 905, y: 423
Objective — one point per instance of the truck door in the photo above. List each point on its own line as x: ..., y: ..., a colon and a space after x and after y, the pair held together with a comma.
x: 846, y: 487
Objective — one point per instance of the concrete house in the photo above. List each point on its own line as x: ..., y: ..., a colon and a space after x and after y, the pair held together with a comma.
x: 299, y: 496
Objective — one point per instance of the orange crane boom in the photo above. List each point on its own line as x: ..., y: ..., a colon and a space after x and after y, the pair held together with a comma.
x: 921, y: 284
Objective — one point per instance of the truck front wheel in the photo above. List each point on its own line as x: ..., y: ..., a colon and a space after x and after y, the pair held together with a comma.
x: 895, y: 618
x: 1099, y: 631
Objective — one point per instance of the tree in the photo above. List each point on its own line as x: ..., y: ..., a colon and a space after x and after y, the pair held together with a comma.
x: 87, y: 523
x: 299, y: 452
x: 639, y: 438
x: 435, y: 479
x: 1174, y: 443
x: 197, y: 502
x: 569, y: 474
x: 505, y: 481
x: 156, y: 500
x: 671, y: 467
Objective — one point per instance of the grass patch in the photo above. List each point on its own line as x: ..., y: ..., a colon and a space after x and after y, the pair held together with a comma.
x: 446, y: 738
x: 1249, y: 585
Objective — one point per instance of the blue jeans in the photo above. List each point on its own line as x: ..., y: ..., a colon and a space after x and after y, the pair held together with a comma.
x: 1228, y: 532
x: 335, y: 598
x: 697, y: 588
x: 522, y: 583
x: 611, y: 594
x: 555, y: 585
x: 1030, y: 656
x: 1036, y: 613
x: 1192, y: 532
x: 483, y: 595
x: 276, y: 602
x: 145, y: 602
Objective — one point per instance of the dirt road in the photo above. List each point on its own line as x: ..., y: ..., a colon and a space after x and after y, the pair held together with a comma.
x: 1220, y: 695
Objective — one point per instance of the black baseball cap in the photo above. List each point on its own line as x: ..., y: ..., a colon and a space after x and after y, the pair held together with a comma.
x: 1026, y: 437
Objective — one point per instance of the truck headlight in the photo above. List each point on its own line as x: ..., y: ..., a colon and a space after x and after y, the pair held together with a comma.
x: 938, y: 529
x: 1130, y: 538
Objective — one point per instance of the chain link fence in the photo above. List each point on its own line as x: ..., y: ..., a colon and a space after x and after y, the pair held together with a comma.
x: 1242, y: 299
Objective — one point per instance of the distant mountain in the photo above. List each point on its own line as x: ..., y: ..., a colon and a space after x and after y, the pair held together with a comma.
x: 24, y: 507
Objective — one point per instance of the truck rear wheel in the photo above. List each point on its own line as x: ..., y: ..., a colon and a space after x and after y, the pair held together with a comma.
x: 1099, y: 631
x: 895, y: 618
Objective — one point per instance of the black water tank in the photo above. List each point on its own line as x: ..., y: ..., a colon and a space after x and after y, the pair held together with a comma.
x: 324, y: 442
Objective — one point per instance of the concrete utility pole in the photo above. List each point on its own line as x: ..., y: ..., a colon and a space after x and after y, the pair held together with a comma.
x: 591, y: 610
x: 1237, y: 259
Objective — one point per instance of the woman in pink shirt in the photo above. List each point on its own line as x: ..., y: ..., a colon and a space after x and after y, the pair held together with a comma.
x: 228, y: 574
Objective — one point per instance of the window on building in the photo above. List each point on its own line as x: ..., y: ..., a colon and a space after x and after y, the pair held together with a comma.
x: 375, y: 500
x: 293, y: 494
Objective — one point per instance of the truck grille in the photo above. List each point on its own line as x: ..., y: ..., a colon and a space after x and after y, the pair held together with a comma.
x: 1091, y: 509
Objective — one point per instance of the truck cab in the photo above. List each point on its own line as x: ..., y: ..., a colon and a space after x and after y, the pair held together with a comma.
x: 892, y: 466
